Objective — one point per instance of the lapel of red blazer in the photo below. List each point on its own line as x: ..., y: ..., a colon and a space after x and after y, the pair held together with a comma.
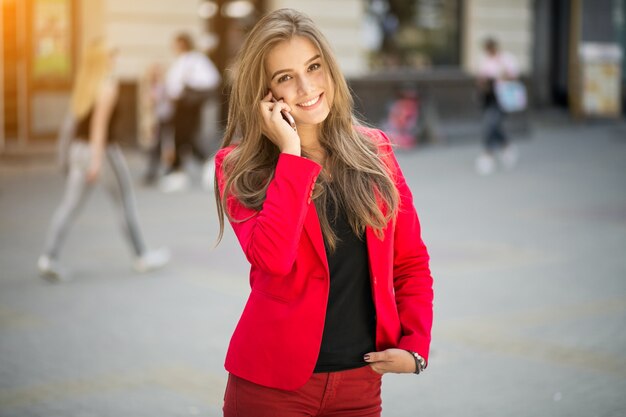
x: 375, y: 251
x: 314, y: 231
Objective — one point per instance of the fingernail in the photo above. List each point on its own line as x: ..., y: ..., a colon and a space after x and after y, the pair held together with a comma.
x: 366, y: 357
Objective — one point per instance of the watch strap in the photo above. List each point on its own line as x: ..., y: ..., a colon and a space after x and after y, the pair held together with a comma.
x: 420, y: 363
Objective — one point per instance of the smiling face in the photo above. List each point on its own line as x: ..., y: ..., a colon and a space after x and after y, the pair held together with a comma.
x: 298, y: 75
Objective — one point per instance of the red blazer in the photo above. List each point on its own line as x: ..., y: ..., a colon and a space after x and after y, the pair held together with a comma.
x: 278, y: 337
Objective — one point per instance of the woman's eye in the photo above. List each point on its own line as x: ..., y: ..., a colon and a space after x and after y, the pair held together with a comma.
x: 284, y: 78
x: 315, y: 66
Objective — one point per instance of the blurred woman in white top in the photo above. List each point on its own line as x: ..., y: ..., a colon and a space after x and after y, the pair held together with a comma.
x: 496, y: 65
x: 94, y: 153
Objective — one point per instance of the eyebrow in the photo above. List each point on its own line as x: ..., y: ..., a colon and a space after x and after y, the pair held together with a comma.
x: 289, y: 69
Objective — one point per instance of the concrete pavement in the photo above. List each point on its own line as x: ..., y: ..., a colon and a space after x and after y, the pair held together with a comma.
x: 529, y: 267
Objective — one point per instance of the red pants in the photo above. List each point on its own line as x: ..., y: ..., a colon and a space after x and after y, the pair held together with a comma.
x: 351, y: 393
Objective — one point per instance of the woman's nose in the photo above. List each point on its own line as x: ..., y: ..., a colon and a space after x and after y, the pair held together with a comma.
x: 304, y: 85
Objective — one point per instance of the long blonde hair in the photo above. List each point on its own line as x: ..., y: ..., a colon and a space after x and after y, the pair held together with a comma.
x: 94, y: 68
x: 355, y: 177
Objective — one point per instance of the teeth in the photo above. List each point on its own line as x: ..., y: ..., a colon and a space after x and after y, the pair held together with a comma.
x: 310, y: 102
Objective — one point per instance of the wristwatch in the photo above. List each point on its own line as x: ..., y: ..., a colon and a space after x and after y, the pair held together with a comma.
x: 420, y: 363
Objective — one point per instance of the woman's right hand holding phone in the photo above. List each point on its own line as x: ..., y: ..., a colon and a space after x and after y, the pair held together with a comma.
x: 276, y: 128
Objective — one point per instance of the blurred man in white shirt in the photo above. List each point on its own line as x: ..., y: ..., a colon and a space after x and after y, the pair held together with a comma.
x: 190, y: 81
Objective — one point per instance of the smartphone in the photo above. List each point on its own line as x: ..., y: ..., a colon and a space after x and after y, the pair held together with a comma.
x: 288, y: 117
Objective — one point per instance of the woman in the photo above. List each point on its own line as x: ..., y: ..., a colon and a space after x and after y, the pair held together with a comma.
x: 341, y: 288
x: 496, y: 65
x: 94, y: 109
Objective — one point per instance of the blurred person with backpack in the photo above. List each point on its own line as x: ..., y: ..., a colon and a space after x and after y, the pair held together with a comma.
x: 191, y: 80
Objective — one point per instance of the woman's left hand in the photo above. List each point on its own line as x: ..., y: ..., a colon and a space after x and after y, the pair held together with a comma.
x: 397, y: 361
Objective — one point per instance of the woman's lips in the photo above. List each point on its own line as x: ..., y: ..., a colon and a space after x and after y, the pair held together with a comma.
x: 311, y: 104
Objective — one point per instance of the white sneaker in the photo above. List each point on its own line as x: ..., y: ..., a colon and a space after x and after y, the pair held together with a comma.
x: 508, y: 157
x: 151, y: 260
x: 208, y: 174
x: 485, y: 164
x: 49, y: 269
x: 176, y: 181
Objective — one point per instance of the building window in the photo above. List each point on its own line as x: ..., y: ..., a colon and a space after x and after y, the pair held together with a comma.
x: 412, y: 34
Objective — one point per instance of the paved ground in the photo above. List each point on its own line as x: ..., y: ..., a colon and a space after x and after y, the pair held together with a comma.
x: 529, y: 267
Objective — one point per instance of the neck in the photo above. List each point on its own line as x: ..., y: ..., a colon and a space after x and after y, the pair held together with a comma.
x: 309, y: 141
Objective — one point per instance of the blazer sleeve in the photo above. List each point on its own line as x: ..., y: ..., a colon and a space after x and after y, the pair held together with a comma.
x: 413, y: 283
x: 269, y: 237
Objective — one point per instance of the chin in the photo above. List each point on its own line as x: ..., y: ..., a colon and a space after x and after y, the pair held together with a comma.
x: 315, y: 119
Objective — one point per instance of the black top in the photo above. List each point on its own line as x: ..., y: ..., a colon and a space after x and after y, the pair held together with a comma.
x: 84, y: 125
x: 488, y: 94
x: 350, y: 326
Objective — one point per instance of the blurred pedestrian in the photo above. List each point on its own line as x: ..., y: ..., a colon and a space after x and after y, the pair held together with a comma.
x: 341, y: 287
x: 157, y: 113
x: 496, y: 66
x: 191, y: 80
x: 94, y: 106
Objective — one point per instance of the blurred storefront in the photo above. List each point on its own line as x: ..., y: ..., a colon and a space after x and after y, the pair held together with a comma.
x: 409, y: 62
x: 38, y: 61
x: 578, y: 56
x: 426, y: 51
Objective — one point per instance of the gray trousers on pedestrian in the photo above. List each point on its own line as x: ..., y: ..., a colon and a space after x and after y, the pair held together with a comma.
x: 493, y: 126
x: 117, y: 180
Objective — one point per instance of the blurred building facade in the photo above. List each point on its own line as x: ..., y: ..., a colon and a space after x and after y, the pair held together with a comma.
x: 41, y: 45
x: 426, y: 50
